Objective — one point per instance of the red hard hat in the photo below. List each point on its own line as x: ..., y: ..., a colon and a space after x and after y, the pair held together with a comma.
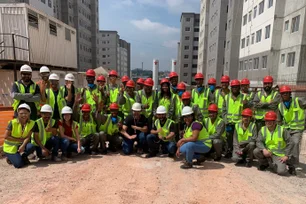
x: 245, y: 81
x: 181, y: 86
x: 213, y: 107
x: 268, y: 79
x: 186, y: 95
x: 164, y: 80
x: 140, y: 81
x: 284, y: 89
x: 90, y: 72
x: 149, y: 82
x: 212, y: 81
x: 270, y: 116
x: 235, y: 82
x: 130, y: 83
x: 114, y: 106
x: 85, y: 107
x: 113, y: 73
x: 173, y: 74
x: 101, y: 78
x: 199, y: 76
x: 125, y: 79
x: 225, y: 79
x: 247, y: 112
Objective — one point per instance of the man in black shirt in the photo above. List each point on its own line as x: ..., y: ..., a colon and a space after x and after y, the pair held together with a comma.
x: 69, y: 90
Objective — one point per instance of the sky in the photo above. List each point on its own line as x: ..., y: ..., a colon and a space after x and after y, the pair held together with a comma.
x: 151, y: 26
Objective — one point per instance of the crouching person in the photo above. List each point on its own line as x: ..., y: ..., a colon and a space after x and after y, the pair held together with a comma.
x: 45, y: 135
x: 273, y: 146
x: 195, y: 140
x: 17, y: 137
x: 109, y: 127
x: 70, y: 138
x: 162, y: 135
x: 244, y: 139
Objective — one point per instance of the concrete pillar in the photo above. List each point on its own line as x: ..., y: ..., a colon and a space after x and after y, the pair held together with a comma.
x: 155, y: 73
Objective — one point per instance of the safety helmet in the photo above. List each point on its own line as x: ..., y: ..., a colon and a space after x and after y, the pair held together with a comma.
x: 140, y: 81
x: 235, y: 82
x: 245, y: 81
x: 113, y: 73
x: 186, y: 95
x: 172, y: 74
x: 24, y: 106
x: 114, y: 106
x: 199, y: 76
x: 164, y: 80
x: 130, y: 84
x: 54, y: 77
x: 46, y: 109
x: 268, y: 79
x: 149, y: 82
x: 101, y: 78
x: 247, y: 112
x: 270, y: 116
x: 212, y: 81
x: 86, y: 108
x: 69, y: 77
x: 136, y: 107
x: 44, y: 69
x: 187, y: 110
x: 125, y: 79
x: 225, y: 79
x: 91, y: 73
x: 66, y: 110
x: 161, y: 110
x: 25, y: 68
x: 285, y: 89
x: 181, y: 86
x: 213, y: 108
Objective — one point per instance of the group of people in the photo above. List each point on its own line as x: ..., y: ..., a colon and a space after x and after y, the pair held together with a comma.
x: 232, y: 121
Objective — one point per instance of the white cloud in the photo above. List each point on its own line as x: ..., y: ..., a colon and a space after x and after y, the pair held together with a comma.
x: 122, y: 3
x: 174, y: 6
x: 170, y: 44
x: 147, y: 25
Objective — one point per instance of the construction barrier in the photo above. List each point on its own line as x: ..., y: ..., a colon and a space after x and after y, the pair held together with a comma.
x: 6, y: 114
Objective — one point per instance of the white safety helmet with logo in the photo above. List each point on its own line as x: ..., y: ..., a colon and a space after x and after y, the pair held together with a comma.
x: 187, y: 110
x: 66, y: 110
x: 44, y: 69
x: 25, y: 68
x: 24, y: 106
x: 136, y: 107
x: 161, y: 110
x: 46, y: 109
x: 54, y: 77
x: 69, y: 77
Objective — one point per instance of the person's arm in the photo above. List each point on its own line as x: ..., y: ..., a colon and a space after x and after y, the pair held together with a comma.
x: 260, y: 141
x: 36, y: 95
x: 279, y: 117
x: 235, y: 142
x: 121, y: 99
x: 77, y: 135
x: 256, y: 102
x: 76, y: 111
x: 224, y: 111
x: 219, y: 131
x: 68, y: 98
x: 193, y: 138
x: 254, y: 134
x: 289, y: 143
x: 198, y: 113
x: 302, y: 103
x: 62, y: 133
x: 8, y: 134
x: 124, y: 132
x: 141, y: 129
x: 171, y: 134
x: 274, y: 103
x: 15, y: 94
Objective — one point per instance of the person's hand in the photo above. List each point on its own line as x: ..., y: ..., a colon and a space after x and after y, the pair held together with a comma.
x: 43, y: 86
x: 146, y: 106
x: 96, y: 98
x: 160, y: 137
x: 177, y: 153
x: 134, y: 127
x: 79, y: 150
x: 283, y: 159
x: 266, y: 153
x: 45, y: 152
x: 239, y: 153
x: 180, y: 142
x: 78, y: 97
x: 159, y: 130
x: 72, y: 139
x: 132, y: 137
x: 21, y: 148
x: 245, y: 102
x: 121, y: 88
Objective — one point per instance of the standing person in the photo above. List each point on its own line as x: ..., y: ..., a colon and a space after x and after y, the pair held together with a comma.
x: 127, y: 98
x: 265, y: 100
x: 221, y: 93
x: 45, y: 137
x: 114, y: 88
x: 195, y: 139
x: 291, y: 114
x: 274, y: 146
x: 216, y: 130
x: 104, y: 89
x: 178, y: 103
x: 245, y: 135
x: 26, y: 91
x: 162, y: 135
x: 70, y: 138
x: 245, y: 86
x: 44, y: 83
x: 17, y: 137
x: 173, y: 77
x: 139, y: 84
x: 124, y: 80
x: 186, y: 99
x: 211, y: 83
x: 68, y: 91
x: 135, y: 127
x: 166, y: 98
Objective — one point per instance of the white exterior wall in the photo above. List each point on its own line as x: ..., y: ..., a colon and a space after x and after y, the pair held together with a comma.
x: 47, y: 7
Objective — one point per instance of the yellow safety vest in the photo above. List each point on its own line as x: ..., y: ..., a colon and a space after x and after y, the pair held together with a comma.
x: 260, y: 113
x: 43, y: 135
x: 145, y: 100
x: 234, y: 108
x: 178, y: 108
x: 11, y: 147
x: 127, y: 107
x: 89, y: 97
x: 113, y: 94
x: 60, y: 100
x: 246, y: 135
x: 201, y: 99
x: 87, y: 128
x: 108, y: 127
x: 212, y: 127
x: 203, y: 136
x: 219, y: 99
x: 165, y: 128
x: 274, y: 142
x: 166, y: 102
x: 21, y: 89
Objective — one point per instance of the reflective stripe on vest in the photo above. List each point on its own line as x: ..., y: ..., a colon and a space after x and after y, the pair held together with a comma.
x: 86, y: 128
x: 201, y: 99
x: 234, y: 108
x: 219, y: 99
x: 203, y: 135
x: 89, y: 98
x: 22, y: 91
x: 246, y: 135
x: 294, y: 117
x: 212, y: 127
x: 178, y: 108
x: 259, y: 113
x: 165, y: 129
x: 274, y: 142
x: 127, y: 107
x: 150, y: 101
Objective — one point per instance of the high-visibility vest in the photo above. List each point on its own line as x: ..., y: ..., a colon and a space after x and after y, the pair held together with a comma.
x: 274, y: 142
x: 165, y: 101
x: 178, y: 108
x: 113, y: 94
x: 244, y: 135
x: 89, y: 97
x: 212, y: 127
x: 43, y: 135
x: 219, y: 99
x: 108, y: 127
x: 203, y: 135
x: 127, y: 107
x: 60, y: 100
x: 260, y: 113
x: 87, y: 128
x: 294, y: 117
x: 249, y: 95
x: 201, y: 99
x: 21, y: 89
x: 165, y: 128
x: 11, y: 147
x: 145, y: 100
x: 234, y: 108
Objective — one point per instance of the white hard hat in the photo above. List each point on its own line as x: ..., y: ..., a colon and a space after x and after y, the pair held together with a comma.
x: 46, y: 109
x: 136, y: 107
x: 66, y: 110
x: 44, y: 69
x: 69, y: 77
x: 24, y: 106
x: 187, y: 110
x: 25, y: 68
x: 161, y: 110
x: 53, y: 77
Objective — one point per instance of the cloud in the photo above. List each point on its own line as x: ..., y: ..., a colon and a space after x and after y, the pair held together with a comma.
x: 147, y: 25
x: 170, y: 44
x: 122, y: 3
x: 174, y: 6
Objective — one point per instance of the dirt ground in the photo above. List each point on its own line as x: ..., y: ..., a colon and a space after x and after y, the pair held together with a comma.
x: 132, y: 179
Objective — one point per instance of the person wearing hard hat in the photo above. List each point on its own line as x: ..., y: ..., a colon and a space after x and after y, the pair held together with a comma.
x: 70, y: 137
x: 186, y: 99
x: 233, y: 104
x: 110, y: 126
x: 221, y: 93
x: 244, y: 138
x: 26, y: 91
x: 114, y: 89
x: 124, y: 80
x: 178, y: 103
x: 162, y: 135
x: 102, y: 83
x: 69, y: 90
x: 211, y: 83
x: 135, y: 127
x: 273, y: 146
x: 104, y: 89
x: 216, y: 130
x: 173, y: 77
x: 166, y: 98
x: 139, y: 84
x: 245, y: 86
x: 265, y: 100
x: 87, y: 127
x: 44, y: 83
x: 127, y: 98
x: 17, y: 136
x: 45, y: 136
x: 195, y: 140
x: 201, y: 95
x: 54, y: 97
x: 291, y: 115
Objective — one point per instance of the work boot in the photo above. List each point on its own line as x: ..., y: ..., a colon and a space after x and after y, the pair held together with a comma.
x: 25, y: 159
x: 56, y: 159
x: 200, y: 160
x: 263, y: 167
x: 171, y: 155
x: 292, y: 170
x: 150, y: 155
x: 216, y: 158
x: 248, y: 164
x: 186, y: 165
x: 8, y: 161
x: 240, y: 162
x: 103, y: 152
x: 93, y: 153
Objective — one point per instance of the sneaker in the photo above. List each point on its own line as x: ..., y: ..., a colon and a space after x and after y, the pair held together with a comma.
x: 150, y: 155
x: 139, y: 151
x: 217, y: 158
x: 263, y: 167
x: 56, y: 159
x: 248, y: 164
x: 8, y: 161
x: 200, y: 160
x: 64, y: 158
x: 25, y: 160
x: 228, y: 155
x: 292, y: 170
x: 103, y: 152
x: 186, y: 165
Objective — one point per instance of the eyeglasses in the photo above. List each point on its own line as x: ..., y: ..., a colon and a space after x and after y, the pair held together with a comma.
x: 26, y: 74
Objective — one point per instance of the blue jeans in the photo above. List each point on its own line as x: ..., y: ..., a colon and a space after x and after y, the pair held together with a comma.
x: 53, y: 143
x: 154, y: 143
x: 128, y: 144
x: 190, y: 148
x: 17, y: 159
x: 69, y: 146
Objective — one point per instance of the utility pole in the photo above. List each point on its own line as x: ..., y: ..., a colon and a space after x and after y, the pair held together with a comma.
x: 14, y: 53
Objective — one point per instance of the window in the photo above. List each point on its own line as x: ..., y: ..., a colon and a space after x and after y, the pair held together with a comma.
x: 261, y: 7
x: 295, y: 24
x: 258, y: 36
x: 195, y: 48
x: 187, y: 19
x: 186, y: 47
x: 245, y: 18
x: 226, y: 66
x: 267, y: 32
x: 187, y: 28
x: 290, y: 59
x: 283, y: 58
x: 286, y: 25
x: 185, y: 65
x: 242, y: 43
x: 53, y: 29
x: 225, y: 26
x: 250, y: 16
x: 228, y: 44
x: 187, y: 37
x: 103, y: 56
x: 196, y: 30
x: 253, y: 38
x: 195, y: 57
x: 240, y: 65
x: 194, y: 65
x: 185, y: 74
x: 248, y: 41
x: 270, y: 3
x: 264, y: 62
x: 43, y: 1
x: 255, y: 12
x: 33, y: 19
x: 67, y: 34
x: 256, y: 63
x: 245, y: 65
x: 186, y: 56
x: 196, y: 39
x: 250, y: 63
x: 229, y: 24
